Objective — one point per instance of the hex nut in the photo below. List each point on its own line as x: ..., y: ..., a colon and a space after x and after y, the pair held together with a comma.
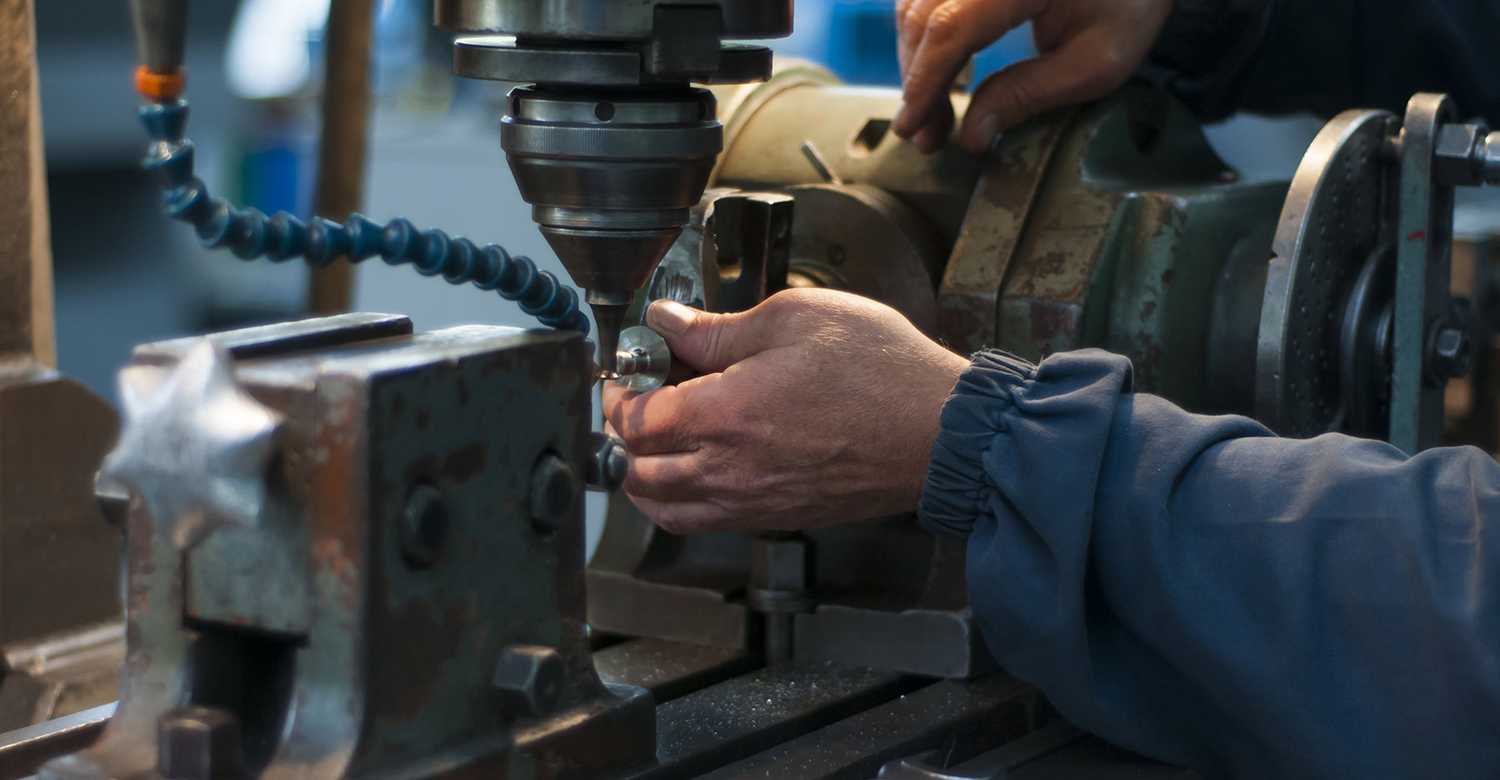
x: 554, y: 491
x: 199, y: 743
x: 1456, y: 155
x: 529, y: 679
x: 608, y: 464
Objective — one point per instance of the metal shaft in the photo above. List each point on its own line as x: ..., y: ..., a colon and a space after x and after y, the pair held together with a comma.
x: 160, y: 33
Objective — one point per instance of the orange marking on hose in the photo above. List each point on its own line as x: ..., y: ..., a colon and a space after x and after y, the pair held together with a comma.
x: 159, y: 87
x: 1417, y: 235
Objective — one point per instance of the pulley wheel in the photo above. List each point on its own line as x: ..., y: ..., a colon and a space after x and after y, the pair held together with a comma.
x: 1316, y: 317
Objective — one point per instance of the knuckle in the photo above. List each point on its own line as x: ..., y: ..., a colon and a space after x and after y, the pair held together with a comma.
x: 946, y: 24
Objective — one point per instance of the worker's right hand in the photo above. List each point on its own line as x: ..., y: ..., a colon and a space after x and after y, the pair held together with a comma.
x: 1087, y: 49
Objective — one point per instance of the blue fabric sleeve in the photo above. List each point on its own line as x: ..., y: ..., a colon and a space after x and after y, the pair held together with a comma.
x: 1200, y: 591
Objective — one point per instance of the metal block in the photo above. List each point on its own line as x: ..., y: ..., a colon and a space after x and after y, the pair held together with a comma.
x: 398, y: 502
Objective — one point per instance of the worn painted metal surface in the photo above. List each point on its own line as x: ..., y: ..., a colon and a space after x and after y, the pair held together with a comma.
x: 372, y: 594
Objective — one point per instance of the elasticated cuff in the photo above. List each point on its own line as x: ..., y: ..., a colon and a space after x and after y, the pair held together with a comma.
x: 956, y: 487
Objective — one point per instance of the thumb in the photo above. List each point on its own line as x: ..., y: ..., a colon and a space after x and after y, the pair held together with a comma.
x: 709, y: 343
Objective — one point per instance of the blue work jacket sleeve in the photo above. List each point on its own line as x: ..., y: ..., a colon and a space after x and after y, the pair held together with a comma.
x: 1200, y: 591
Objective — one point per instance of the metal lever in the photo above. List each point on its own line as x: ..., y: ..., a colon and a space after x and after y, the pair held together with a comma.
x: 753, y: 237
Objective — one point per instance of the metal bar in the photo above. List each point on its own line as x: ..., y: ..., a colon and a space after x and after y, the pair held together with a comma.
x: 713, y: 727
x: 1423, y: 244
x: 23, y: 751
x: 669, y: 669
x: 342, y: 149
x: 26, y: 329
x: 993, y: 711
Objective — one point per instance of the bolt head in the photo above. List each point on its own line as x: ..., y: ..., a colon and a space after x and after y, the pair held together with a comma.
x: 199, y: 743
x: 1456, y: 155
x: 609, y: 464
x: 424, y: 527
x: 554, y: 491
x: 1452, y: 353
x: 529, y: 679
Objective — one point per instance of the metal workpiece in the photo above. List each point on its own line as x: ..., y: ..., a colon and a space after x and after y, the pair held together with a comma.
x: 160, y: 33
x: 387, y: 510
x: 643, y: 360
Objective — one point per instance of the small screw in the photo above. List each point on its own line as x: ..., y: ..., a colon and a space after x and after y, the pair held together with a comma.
x: 424, y: 527
x: 199, y: 743
x: 529, y: 679
x: 554, y: 490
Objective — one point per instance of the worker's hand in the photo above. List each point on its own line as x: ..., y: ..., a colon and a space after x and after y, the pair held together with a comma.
x: 1087, y: 49
x: 813, y: 408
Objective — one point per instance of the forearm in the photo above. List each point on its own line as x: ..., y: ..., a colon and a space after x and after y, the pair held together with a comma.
x: 1324, y: 56
x: 1198, y: 590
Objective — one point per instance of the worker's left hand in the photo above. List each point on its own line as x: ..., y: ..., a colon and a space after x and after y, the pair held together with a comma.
x: 814, y: 408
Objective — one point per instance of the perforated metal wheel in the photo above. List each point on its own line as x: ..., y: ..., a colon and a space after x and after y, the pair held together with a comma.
x: 1329, y: 232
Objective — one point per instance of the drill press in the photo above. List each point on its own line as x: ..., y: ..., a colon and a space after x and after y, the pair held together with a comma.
x: 610, y: 143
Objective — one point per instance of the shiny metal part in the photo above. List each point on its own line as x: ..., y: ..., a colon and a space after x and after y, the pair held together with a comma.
x: 611, y: 179
x: 195, y: 448
x: 611, y: 145
x: 1336, y: 219
x: 591, y: 20
x: 643, y: 360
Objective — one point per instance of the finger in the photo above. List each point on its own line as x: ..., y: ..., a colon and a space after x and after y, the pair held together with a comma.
x: 612, y: 394
x: 666, y: 420
x: 934, y: 135
x: 911, y: 20
x: 706, y: 342
x: 953, y: 32
x: 1074, y: 73
x: 683, y: 517
x: 672, y: 477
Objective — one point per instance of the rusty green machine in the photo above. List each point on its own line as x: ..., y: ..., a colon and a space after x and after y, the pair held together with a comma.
x: 357, y: 550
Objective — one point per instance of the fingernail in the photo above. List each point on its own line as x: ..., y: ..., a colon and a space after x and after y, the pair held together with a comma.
x: 979, y: 141
x: 670, y: 318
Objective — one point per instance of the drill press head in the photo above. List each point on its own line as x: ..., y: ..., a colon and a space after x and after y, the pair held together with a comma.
x: 609, y: 142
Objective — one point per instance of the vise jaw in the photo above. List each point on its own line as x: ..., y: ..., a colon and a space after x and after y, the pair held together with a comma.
x: 356, y: 551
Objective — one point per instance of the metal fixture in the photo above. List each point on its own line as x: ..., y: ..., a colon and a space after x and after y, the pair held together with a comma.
x: 1358, y: 332
x: 643, y: 360
x: 610, y: 144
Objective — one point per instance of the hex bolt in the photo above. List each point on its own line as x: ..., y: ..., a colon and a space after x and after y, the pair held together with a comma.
x: 1451, y: 355
x: 529, y: 679
x: 608, y: 464
x: 781, y: 585
x: 424, y: 527
x: 554, y: 491
x: 199, y: 743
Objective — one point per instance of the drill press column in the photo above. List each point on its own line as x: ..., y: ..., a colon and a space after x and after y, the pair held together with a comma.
x: 610, y: 143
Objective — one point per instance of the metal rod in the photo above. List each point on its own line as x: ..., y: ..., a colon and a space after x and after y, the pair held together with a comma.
x: 344, y: 141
